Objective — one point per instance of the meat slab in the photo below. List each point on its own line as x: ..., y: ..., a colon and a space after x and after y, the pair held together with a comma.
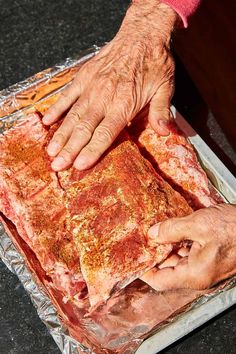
x: 176, y: 160
x: 111, y: 209
x: 31, y: 197
x: 85, y: 228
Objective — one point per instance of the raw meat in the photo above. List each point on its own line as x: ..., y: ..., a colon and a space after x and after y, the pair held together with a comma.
x: 176, y: 161
x: 31, y: 197
x: 103, y: 226
x: 111, y: 209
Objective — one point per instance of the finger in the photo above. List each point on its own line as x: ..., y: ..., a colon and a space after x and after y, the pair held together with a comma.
x: 102, y: 138
x: 179, y: 229
x: 183, y: 251
x: 159, y: 111
x: 167, y: 278
x: 80, y: 136
x: 68, y: 96
x: 170, y: 261
x: 197, y: 271
x: 182, y: 276
x: 63, y: 133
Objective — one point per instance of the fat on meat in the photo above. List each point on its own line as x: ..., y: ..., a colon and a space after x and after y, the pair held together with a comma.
x: 31, y: 197
x: 175, y: 159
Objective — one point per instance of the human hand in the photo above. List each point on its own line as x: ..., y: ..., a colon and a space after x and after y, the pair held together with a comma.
x: 135, y: 68
x: 212, y: 256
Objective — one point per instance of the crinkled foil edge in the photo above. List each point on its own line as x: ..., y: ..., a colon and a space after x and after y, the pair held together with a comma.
x: 47, y: 73
x: 46, y: 311
x: 9, y: 253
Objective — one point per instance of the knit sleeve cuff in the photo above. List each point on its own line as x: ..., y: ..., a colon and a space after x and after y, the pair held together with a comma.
x: 184, y: 8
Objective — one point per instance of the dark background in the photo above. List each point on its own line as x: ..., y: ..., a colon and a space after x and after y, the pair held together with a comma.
x: 35, y: 35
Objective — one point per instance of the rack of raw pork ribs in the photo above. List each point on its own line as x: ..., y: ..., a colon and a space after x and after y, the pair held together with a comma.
x: 84, y: 234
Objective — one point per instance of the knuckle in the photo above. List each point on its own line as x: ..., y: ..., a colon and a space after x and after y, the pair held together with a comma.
x: 106, y: 81
x: 64, y: 96
x: 166, y: 227
x: 105, y: 88
x: 59, y: 137
x: 91, y: 151
x: 124, y: 112
x: 177, y: 225
x: 83, y: 128
x: 175, y: 229
x: 96, y: 114
x: 205, y: 221
x: 66, y: 153
x: 163, y: 109
x: 110, y: 84
x: 124, y: 118
x: 68, y: 150
x: 103, y: 134
x: 74, y: 115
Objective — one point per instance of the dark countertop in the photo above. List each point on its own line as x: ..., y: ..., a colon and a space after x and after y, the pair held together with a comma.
x: 35, y: 35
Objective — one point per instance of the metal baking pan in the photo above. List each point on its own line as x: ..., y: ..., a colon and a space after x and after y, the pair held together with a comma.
x: 12, y: 106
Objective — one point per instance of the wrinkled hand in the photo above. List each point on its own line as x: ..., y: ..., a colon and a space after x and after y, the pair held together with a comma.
x: 135, y: 68
x: 212, y: 256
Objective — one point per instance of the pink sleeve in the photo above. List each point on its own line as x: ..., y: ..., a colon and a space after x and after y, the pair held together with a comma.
x: 185, y: 8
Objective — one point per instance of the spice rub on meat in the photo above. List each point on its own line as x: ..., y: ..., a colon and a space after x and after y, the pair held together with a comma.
x: 31, y: 197
x: 86, y: 228
x: 111, y: 208
x: 176, y: 160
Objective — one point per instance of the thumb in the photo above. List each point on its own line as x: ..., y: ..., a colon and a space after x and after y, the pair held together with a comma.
x: 176, y: 230
x: 159, y: 111
x: 169, y: 231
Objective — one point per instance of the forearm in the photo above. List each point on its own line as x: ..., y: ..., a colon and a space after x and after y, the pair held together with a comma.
x: 149, y: 19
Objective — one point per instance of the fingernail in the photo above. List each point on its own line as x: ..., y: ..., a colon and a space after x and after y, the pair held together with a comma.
x: 53, y: 148
x: 58, y: 163
x: 81, y: 163
x: 154, y: 230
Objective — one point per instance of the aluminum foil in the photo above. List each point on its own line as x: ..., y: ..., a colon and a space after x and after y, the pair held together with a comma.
x: 46, y: 311
x: 126, y: 320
